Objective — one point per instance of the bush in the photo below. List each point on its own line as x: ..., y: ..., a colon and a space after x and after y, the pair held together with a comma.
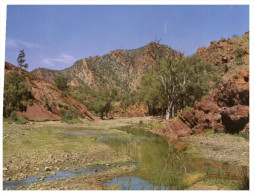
x: 14, y: 117
x: 70, y: 117
x: 22, y: 121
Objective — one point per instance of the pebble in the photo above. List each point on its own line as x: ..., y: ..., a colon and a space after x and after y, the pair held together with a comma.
x: 5, y: 169
x: 47, y: 169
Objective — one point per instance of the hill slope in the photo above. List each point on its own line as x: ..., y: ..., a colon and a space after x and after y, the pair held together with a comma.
x: 122, y: 69
x: 48, y: 100
x: 232, y: 55
x: 226, y: 109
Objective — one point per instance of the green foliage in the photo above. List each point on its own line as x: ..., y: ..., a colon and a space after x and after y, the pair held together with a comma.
x: 61, y: 82
x: 21, y: 60
x: 209, y: 131
x: 14, y: 117
x: 127, y: 99
x: 22, y: 121
x: 238, y: 53
x: 150, y: 93
x: 241, y: 134
x: 177, y: 82
x: 16, y: 94
x: 101, y: 104
x: 70, y: 117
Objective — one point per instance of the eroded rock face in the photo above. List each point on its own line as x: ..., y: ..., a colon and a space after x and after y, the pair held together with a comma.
x: 48, y: 100
x: 226, y: 110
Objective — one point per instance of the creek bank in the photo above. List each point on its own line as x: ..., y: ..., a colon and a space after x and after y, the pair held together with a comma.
x: 219, y: 147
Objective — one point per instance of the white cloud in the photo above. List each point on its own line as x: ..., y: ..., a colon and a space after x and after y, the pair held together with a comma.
x: 63, y: 58
x: 16, y: 43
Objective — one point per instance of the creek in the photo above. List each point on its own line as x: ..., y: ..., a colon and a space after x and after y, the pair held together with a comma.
x: 161, y: 166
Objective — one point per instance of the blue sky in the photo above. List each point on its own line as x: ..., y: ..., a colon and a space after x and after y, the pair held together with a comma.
x: 55, y: 37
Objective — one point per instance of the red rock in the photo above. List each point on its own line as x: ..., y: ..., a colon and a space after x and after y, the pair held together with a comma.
x: 174, y: 129
x: 235, y: 118
x: 226, y: 110
x: 56, y: 99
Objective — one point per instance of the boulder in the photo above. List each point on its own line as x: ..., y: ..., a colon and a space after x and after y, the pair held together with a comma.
x: 235, y: 118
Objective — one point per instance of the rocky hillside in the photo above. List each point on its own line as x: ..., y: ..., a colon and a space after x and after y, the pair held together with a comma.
x: 227, y: 108
x: 48, y: 100
x: 231, y: 55
x: 122, y: 69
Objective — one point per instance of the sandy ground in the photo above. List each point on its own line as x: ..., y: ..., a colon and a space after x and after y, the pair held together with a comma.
x: 221, y: 147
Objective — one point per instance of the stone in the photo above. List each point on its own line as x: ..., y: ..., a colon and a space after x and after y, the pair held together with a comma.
x: 47, y: 169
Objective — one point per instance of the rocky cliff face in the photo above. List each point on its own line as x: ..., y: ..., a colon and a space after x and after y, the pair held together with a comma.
x: 48, y: 99
x: 122, y: 69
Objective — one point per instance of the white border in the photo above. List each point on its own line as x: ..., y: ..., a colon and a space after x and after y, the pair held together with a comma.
x: 3, y: 5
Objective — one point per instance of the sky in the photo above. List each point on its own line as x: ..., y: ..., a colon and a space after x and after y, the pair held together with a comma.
x: 55, y: 36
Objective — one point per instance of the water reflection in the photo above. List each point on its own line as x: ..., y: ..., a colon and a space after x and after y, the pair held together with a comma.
x: 161, y: 165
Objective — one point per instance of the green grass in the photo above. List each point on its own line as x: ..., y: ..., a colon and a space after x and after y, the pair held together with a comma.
x: 245, y: 136
x: 222, y: 183
x: 19, y: 120
x: 209, y: 131
x: 195, y: 153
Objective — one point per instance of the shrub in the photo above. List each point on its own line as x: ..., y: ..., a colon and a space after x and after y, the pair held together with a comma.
x: 22, y: 121
x: 14, y: 117
x: 70, y: 117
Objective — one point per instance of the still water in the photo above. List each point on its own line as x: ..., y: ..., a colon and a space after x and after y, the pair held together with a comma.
x: 161, y: 166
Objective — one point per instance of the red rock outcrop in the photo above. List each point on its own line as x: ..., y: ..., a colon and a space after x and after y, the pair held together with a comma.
x: 48, y: 100
x: 173, y: 130
x: 226, y: 110
x: 226, y: 51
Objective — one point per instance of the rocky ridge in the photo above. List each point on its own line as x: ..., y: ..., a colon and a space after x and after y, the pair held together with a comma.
x: 122, y: 69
